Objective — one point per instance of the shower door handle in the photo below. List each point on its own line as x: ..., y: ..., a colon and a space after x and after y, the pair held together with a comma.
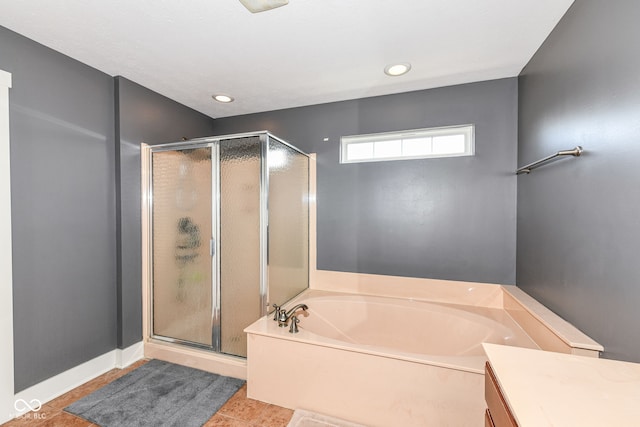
x: 212, y: 247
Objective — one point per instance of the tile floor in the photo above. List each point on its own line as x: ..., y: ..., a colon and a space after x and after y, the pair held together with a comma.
x: 239, y: 411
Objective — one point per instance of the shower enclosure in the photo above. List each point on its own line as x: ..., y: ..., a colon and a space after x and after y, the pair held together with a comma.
x: 228, y: 231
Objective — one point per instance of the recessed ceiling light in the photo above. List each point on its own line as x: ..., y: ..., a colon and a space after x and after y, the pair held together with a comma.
x: 225, y: 99
x: 256, y: 6
x: 397, y: 69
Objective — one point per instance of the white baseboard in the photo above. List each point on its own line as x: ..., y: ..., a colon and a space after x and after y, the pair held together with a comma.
x: 53, y: 387
x: 129, y: 355
x: 56, y: 386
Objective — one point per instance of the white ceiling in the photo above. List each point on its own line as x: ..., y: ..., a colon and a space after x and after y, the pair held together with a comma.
x: 308, y: 52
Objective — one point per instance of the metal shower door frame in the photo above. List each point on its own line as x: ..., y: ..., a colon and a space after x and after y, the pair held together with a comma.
x: 147, y: 191
x: 213, y: 249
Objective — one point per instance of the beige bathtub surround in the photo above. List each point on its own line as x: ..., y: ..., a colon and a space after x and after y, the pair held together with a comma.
x: 411, y: 330
x: 373, y: 360
x: 553, y: 389
x: 412, y: 357
x: 367, y: 389
x: 302, y: 418
x: 547, y: 328
x: 445, y: 291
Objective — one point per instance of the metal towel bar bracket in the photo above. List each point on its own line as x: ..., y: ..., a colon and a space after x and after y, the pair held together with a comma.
x: 531, y: 166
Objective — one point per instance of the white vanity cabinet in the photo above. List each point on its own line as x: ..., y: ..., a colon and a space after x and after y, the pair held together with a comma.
x: 535, y: 388
x: 498, y: 413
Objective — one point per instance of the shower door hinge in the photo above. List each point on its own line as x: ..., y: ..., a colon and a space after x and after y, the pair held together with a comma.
x: 212, y: 247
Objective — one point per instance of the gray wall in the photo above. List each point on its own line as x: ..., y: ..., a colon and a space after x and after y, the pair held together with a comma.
x: 63, y: 208
x: 75, y: 170
x: 579, y: 219
x: 451, y: 218
x: 142, y: 116
x: 438, y: 218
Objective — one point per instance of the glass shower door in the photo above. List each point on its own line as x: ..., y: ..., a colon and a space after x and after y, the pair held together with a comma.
x: 241, y: 230
x: 229, y: 232
x: 288, y: 263
x: 182, y: 239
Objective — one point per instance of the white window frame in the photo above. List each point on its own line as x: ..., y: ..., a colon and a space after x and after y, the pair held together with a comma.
x: 467, y: 130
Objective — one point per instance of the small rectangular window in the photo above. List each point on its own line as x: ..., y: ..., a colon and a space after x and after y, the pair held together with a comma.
x: 360, y: 151
x: 451, y: 141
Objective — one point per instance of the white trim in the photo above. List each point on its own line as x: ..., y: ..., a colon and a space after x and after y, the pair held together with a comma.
x: 56, y: 386
x: 5, y: 79
x: 6, y: 276
x: 129, y: 355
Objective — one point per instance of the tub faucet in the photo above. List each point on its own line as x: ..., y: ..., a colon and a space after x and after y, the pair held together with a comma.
x: 284, y: 316
x: 296, y: 308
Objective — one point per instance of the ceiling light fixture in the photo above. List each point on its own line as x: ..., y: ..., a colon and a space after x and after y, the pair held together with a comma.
x: 395, y: 70
x: 225, y: 99
x: 256, y: 6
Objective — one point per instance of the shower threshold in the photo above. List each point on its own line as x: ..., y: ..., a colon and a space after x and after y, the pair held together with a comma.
x: 205, y: 360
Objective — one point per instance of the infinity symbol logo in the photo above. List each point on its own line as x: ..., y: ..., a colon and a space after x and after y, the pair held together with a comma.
x: 22, y: 405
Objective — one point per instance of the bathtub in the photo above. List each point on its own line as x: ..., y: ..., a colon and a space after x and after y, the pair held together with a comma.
x: 443, y: 334
x: 379, y: 360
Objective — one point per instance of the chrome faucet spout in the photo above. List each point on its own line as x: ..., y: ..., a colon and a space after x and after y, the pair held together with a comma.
x: 283, y: 315
x: 296, y: 308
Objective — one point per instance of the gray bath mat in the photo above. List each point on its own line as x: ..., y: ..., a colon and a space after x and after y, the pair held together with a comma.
x: 157, y: 394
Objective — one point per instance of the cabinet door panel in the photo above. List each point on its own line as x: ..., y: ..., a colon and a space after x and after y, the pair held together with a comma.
x: 498, y: 409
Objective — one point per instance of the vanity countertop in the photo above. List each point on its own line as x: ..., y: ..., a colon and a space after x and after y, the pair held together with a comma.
x: 555, y: 389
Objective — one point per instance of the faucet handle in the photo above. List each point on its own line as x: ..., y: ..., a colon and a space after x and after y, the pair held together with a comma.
x: 293, y: 329
x: 276, y: 312
x: 282, y: 318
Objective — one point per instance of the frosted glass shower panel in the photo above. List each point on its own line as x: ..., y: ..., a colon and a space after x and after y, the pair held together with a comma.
x: 288, y: 262
x: 240, y: 245
x: 182, y: 264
